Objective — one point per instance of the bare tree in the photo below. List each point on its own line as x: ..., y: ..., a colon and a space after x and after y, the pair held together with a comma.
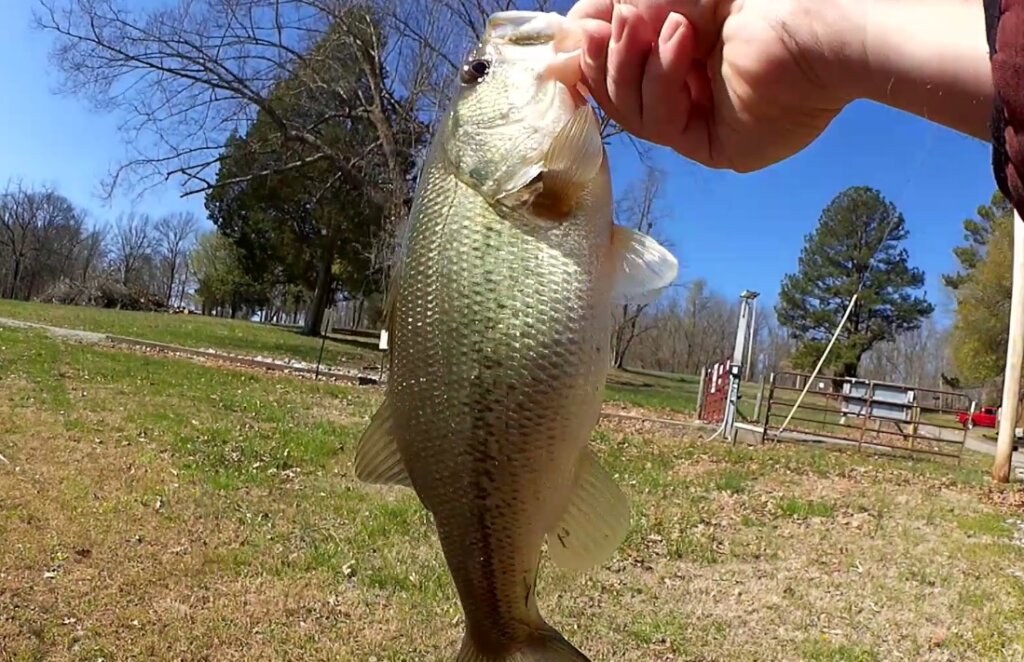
x: 636, y: 209
x: 689, y: 328
x: 93, y: 253
x: 184, y: 76
x: 775, y: 345
x: 174, y: 237
x: 133, y: 250
x: 40, y: 235
x: 919, y: 357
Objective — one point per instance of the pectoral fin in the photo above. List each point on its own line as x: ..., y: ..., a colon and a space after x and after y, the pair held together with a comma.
x: 572, y: 161
x: 596, y: 521
x: 377, y: 458
x: 643, y: 268
x: 575, y: 155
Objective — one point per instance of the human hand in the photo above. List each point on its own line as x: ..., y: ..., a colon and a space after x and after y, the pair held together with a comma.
x: 736, y: 84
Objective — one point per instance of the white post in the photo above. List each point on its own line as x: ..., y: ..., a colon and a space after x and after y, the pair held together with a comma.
x: 750, y: 343
x: 736, y: 369
x: 1014, y: 351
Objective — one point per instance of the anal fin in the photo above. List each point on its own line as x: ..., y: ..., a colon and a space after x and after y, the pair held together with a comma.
x: 595, y: 522
x: 377, y: 458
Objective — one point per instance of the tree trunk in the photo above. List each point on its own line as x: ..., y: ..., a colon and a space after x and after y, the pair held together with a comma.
x: 844, y: 371
x: 15, y: 277
x: 169, y: 294
x: 315, y: 311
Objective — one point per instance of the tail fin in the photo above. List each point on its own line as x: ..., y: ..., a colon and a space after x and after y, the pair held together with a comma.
x: 547, y: 645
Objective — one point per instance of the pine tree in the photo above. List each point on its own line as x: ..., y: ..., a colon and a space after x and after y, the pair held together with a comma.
x: 855, y: 248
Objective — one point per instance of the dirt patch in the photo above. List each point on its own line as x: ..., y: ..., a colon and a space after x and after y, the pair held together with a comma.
x: 63, y: 334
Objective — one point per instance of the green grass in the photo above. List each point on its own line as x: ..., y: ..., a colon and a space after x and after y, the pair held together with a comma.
x: 666, y: 392
x: 156, y: 508
x: 799, y: 509
x: 732, y: 480
x: 655, y: 391
x: 652, y: 390
x: 984, y: 524
x: 823, y: 650
x: 196, y: 332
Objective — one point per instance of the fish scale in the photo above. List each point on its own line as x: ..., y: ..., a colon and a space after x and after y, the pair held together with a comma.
x: 502, y: 389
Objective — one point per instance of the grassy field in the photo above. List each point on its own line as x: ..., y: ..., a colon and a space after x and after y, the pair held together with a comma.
x: 197, y: 332
x: 675, y: 393
x: 659, y: 392
x: 159, y: 509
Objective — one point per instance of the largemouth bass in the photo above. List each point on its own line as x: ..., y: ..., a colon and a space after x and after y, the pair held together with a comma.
x: 500, y: 334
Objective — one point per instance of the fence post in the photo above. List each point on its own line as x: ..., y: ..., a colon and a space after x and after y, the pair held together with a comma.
x: 867, y: 416
x: 768, y: 407
x: 760, y: 397
x: 325, y: 327
x: 963, y: 442
x: 700, y: 393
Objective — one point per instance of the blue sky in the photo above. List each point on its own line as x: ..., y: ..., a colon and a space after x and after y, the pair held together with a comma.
x: 737, y: 231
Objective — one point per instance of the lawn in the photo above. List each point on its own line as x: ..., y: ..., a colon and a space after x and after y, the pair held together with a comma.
x: 656, y: 391
x: 666, y: 392
x: 155, y: 508
x: 197, y: 332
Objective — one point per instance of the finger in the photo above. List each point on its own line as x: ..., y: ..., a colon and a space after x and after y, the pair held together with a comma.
x: 666, y: 94
x: 655, y: 12
x: 700, y: 85
x: 696, y: 140
x: 594, y: 63
x: 628, y: 53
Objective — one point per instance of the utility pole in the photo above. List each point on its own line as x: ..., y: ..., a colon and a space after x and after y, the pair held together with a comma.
x: 736, y: 367
x: 1014, y: 351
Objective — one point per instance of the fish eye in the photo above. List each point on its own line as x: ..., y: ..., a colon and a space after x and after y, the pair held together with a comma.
x: 473, y: 72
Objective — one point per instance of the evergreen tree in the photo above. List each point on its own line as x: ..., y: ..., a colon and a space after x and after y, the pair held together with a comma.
x: 856, y: 248
x: 977, y: 234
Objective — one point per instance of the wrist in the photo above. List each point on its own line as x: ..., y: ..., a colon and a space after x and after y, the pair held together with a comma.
x: 826, y: 36
x: 926, y: 57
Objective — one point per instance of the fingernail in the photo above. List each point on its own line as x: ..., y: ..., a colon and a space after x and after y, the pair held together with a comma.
x: 674, y: 24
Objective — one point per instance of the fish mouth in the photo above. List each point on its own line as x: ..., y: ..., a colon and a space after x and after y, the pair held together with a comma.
x: 532, y: 28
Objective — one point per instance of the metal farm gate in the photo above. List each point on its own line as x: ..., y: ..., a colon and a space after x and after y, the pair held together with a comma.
x: 867, y: 414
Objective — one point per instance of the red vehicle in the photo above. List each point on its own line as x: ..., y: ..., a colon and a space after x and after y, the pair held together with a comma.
x: 983, y: 418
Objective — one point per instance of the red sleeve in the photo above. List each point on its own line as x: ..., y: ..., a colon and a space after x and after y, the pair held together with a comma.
x: 1005, y: 23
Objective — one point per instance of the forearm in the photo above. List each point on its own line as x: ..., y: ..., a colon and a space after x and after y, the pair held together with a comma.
x: 926, y: 57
